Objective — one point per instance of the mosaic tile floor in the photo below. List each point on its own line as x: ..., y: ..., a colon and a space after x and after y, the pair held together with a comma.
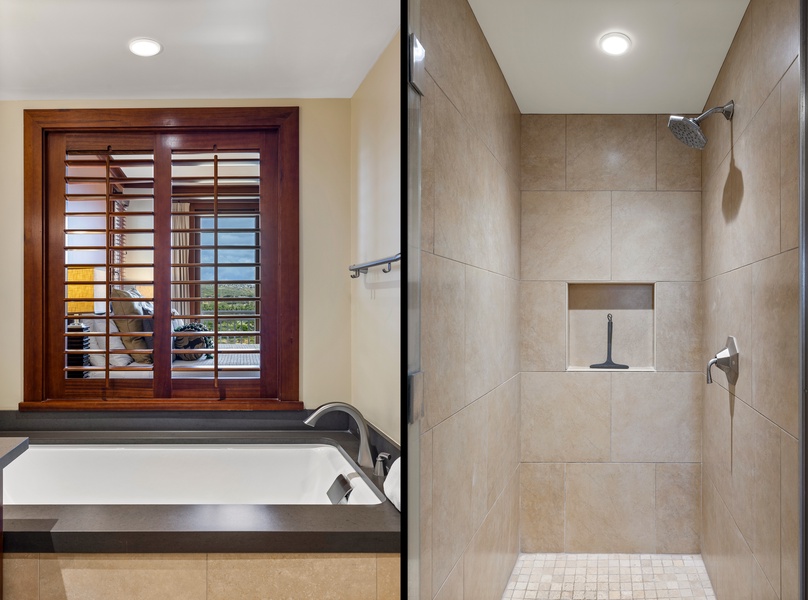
x: 608, y: 577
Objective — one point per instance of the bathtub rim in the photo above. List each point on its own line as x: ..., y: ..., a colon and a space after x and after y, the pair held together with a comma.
x: 203, y: 528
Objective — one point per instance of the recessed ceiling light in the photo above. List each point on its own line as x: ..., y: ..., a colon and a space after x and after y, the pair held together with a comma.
x: 144, y: 47
x: 615, y: 43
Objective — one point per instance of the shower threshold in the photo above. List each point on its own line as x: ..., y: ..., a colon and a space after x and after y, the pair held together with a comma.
x: 608, y: 577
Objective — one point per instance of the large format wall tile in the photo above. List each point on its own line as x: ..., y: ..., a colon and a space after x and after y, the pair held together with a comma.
x: 678, y: 168
x: 429, y: 131
x: 541, y: 500
x: 460, y: 61
x: 611, y: 152
x: 678, y: 508
x: 775, y: 41
x: 765, y: 541
x: 716, y: 211
x: 789, y: 158
x: 492, y: 553
x: 789, y: 516
x: 503, y: 437
x: 137, y: 576
x: 566, y: 236
x: 442, y: 337
x: 425, y: 516
x: 452, y: 588
x: 728, y: 312
x: 656, y: 236
x: 679, y: 326
x: 565, y: 417
x: 610, y: 508
x: 492, y: 331
x: 452, y: 525
x: 543, y: 319
x: 656, y: 417
x: 775, y: 339
x: 756, y: 187
x: 544, y: 152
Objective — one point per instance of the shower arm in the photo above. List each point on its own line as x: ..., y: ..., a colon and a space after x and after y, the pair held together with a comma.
x: 726, y: 110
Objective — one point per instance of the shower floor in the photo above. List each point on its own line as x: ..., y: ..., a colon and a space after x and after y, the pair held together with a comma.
x: 608, y: 577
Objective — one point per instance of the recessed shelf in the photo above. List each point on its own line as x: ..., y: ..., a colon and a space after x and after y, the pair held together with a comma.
x: 632, y: 308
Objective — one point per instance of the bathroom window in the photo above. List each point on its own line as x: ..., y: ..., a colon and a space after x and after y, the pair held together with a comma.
x: 161, y: 259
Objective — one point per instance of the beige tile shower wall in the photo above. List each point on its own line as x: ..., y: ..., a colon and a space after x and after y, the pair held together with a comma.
x: 470, y: 323
x: 201, y: 576
x: 750, y: 273
x: 611, y: 461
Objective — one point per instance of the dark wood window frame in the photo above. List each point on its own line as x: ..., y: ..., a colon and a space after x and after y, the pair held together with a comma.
x: 283, y: 124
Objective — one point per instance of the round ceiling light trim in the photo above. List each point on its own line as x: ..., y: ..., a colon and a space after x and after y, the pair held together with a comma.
x: 615, y: 43
x: 145, y: 47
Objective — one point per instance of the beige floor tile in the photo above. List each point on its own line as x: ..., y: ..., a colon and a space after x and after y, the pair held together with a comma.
x: 610, y: 508
x: 135, y: 577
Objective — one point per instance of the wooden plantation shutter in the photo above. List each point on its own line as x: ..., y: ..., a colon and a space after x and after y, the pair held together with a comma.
x: 170, y: 268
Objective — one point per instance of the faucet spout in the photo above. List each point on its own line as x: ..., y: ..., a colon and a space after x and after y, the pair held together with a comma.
x: 710, y: 366
x: 364, y: 459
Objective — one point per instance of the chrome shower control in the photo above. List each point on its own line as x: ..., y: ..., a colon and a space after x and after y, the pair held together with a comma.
x: 726, y: 360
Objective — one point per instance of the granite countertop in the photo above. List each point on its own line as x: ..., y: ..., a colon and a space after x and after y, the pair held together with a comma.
x: 202, y: 528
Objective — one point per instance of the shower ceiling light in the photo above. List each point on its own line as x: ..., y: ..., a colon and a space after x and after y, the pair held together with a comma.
x: 615, y: 43
x: 144, y: 47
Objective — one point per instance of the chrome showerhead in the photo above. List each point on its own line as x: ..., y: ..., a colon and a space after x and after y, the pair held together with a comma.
x: 689, y: 132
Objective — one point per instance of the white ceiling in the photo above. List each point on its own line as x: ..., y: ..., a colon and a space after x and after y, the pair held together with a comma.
x: 60, y: 49
x: 547, y: 50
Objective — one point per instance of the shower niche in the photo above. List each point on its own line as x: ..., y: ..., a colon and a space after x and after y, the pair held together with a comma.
x: 631, y: 306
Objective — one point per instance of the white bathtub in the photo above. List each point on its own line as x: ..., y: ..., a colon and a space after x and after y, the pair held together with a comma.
x: 181, y: 474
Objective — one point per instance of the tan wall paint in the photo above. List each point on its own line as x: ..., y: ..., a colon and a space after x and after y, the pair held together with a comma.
x: 325, y: 172
x: 376, y: 233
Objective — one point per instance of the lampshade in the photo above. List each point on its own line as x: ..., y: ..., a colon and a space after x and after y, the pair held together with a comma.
x: 82, y: 289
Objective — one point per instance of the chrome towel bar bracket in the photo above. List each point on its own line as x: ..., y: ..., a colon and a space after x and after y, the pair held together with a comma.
x: 356, y: 270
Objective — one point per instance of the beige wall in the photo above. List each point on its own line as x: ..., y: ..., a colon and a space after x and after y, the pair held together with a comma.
x: 469, y: 311
x: 376, y: 233
x: 750, y: 241
x: 201, y: 576
x: 325, y: 184
x: 610, y: 460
